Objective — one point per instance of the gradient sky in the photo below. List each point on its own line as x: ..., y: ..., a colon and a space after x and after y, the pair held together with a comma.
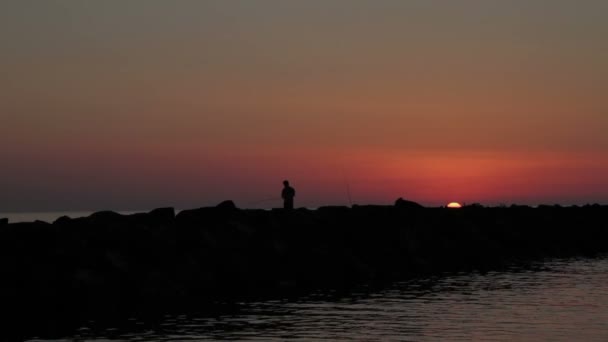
x: 128, y: 105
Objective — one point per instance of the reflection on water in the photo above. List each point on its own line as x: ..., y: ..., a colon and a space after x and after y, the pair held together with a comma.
x: 560, y: 300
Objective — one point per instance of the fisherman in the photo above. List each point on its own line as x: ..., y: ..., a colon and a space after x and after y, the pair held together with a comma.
x: 288, y: 194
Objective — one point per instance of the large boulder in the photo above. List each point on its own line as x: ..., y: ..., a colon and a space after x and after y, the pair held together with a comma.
x: 163, y: 215
x: 106, y: 216
x: 227, y: 205
x: 62, y: 220
x: 405, y: 204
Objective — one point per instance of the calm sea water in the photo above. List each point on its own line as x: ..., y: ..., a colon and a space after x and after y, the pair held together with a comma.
x: 555, y: 300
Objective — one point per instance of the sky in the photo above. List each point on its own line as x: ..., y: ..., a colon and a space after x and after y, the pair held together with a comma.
x: 132, y: 105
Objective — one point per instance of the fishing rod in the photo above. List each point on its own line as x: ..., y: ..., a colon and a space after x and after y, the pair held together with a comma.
x: 350, y: 199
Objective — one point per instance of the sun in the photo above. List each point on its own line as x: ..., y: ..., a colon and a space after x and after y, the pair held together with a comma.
x: 454, y: 205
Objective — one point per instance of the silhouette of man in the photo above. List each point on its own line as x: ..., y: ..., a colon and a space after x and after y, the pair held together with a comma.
x: 288, y: 194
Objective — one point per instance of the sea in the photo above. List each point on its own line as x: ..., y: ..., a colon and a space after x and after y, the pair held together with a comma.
x: 546, y: 300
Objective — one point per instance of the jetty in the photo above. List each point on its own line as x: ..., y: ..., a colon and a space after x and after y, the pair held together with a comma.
x: 108, y: 262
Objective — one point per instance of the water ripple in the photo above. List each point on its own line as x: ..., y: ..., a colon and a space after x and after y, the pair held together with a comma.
x: 558, y: 300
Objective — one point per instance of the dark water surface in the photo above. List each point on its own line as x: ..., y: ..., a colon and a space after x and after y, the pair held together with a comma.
x: 555, y: 300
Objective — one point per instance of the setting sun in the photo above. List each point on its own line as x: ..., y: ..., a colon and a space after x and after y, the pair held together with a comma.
x: 454, y: 205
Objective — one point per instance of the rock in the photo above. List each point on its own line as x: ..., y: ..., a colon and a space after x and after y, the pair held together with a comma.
x: 3, y: 221
x: 163, y: 214
x: 229, y: 205
x: 405, y: 204
x: 335, y: 208
x: 62, y: 220
x: 106, y: 216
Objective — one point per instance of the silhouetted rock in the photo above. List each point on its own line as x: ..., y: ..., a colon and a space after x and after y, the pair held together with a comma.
x: 227, y: 205
x: 405, y: 204
x: 62, y: 220
x: 334, y: 209
x: 165, y: 214
x: 106, y: 216
x: 3, y: 221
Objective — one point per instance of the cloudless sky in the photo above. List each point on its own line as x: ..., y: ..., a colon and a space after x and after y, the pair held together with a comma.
x: 139, y: 104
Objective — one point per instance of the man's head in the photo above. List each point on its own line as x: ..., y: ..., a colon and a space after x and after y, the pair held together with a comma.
x: 286, y: 183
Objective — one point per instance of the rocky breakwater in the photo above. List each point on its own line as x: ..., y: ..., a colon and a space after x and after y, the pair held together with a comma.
x: 109, y: 262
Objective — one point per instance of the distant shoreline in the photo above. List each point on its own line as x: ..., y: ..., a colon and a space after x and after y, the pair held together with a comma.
x: 50, y: 216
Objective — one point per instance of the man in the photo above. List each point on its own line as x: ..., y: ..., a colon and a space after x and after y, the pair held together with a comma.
x: 288, y: 194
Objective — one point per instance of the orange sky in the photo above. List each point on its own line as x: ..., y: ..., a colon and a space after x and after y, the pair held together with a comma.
x: 135, y: 105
